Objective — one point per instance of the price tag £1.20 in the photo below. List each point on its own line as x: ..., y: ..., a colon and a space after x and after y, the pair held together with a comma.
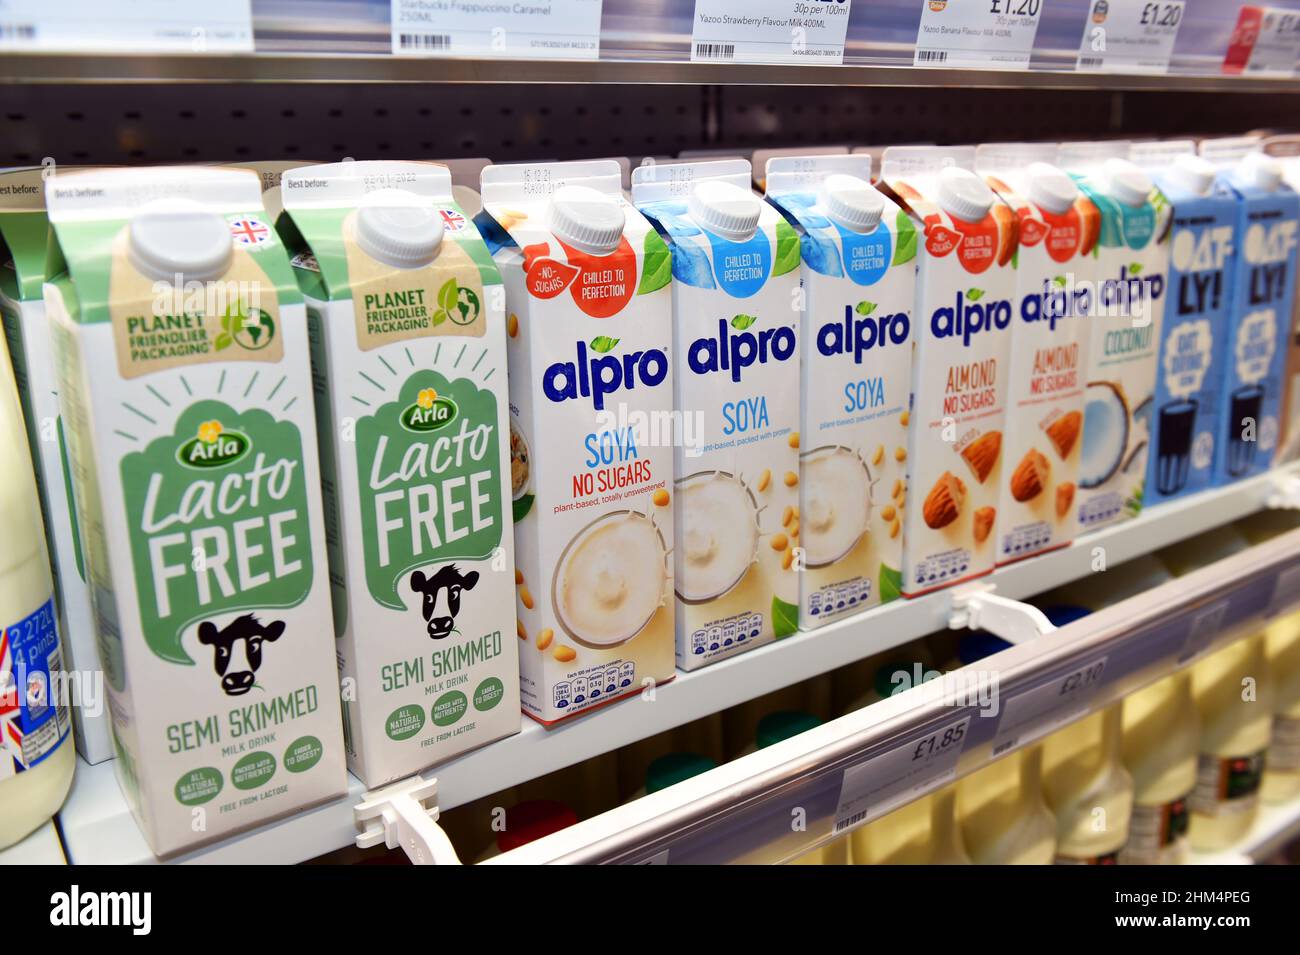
x: 1130, y: 36
x: 982, y: 34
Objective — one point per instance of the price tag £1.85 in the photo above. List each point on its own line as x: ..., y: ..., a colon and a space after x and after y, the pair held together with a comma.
x: 1130, y: 36
x: 982, y: 34
x: 1037, y: 710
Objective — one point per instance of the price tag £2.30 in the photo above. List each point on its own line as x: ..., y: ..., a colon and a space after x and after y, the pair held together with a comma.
x: 982, y: 34
x: 1034, y: 712
x: 1130, y: 36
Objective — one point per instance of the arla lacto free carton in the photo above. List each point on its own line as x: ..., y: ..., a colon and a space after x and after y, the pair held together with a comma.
x: 1132, y: 256
x: 407, y: 322
x: 859, y: 289
x: 736, y: 321
x: 185, y: 384
x: 1185, y: 432
x: 23, y: 237
x: 1056, y: 289
x: 1286, y: 149
x: 590, y: 349
x: 966, y: 306
x: 1263, y: 296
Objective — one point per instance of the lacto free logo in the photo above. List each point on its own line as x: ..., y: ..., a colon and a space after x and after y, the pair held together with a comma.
x: 597, y: 373
x: 969, y: 315
x: 735, y: 347
x: 429, y: 412
x: 862, y: 330
x: 213, y: 447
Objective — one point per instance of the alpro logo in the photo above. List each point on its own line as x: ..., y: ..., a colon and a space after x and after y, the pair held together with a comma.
x: 132, y: 910
x: 858, y: 335
x: 429, y: 412
x: 735, y: 348
x: 969, y: 315
x: 1060, y: 298
x: 1127, y: 295
x: 596, y: 372
x: 213, y: 447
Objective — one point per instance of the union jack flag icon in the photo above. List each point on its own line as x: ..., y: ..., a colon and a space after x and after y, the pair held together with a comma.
x: 249, y: 231
x: 453, y: 220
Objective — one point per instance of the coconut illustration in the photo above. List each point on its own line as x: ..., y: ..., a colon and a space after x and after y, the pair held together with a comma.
x: 1105, y: 433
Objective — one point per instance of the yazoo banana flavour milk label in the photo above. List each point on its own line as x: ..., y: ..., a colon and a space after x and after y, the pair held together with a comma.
x: 966, y: 307
x: 739, y: 528
x: 182, y: 355
x: 407, y: 323
x: 590, y: 348
x: 1056, y: 289
x: 859, y: 288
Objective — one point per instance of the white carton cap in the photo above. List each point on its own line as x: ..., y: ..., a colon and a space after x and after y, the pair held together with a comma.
x: 586, y: 219
x: 399, y: 228
x: 725, y: 208
x: 851, y: 202
x: 1050, y: 188
x: 170, y: 236
x: 1193, y: 173
x: 964, y: 194
x: 1262, y: 171
x: 1125, y: 182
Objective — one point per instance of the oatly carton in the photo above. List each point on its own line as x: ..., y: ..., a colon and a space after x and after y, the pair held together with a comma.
x: 1263, y: 297
x: 966, y: 307
x: 408, y: 337
x: 859, y: 289
x: 24, y: 233
x: 1286, y: 149
x: 1056, y: 288
x: 736, y: 318
x: 1132, y: 254
x: 185, y: 386
x: 1185, y: 432
x: 590, y: 347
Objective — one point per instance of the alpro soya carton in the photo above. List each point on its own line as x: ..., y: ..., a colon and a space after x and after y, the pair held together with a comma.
x: 736, y: 321
x: 24, y: 233
x: 1185, y: 433
x: 1286, y: 149
x: 859, y: 289
x: 1132, y: 257
x: 591, y: 399
x: 408, y: 335
x: 185, y: 385
x: 966, y: 307
x: 1056, y: 288
x: 1263, y: 296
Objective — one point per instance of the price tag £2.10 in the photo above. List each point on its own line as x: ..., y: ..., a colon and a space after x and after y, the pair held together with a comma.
x: 1034, y: 712
x: 981, y: 34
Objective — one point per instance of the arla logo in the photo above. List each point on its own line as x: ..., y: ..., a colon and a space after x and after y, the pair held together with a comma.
x: 735, y: 348
x: 968, y: 316
x: 213, y: 447
x: 600, y: 374
x: 429, y: 412
x: 857, y: 336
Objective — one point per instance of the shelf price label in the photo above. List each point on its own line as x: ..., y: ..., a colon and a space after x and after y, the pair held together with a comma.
x: 807, y: 32
x: 1129, y: 36
x: 884, y: 782
x: 557, y: 29
x: 1036, y: 711
x: 141, y: 26
x: 1286, y: 592
x: 1265, y: 42
x: 1202, y: 630
x: 984, y: 34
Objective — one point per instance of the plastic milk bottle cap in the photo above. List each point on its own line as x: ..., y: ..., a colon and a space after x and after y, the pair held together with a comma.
x: 179, y: 236
x: 1193, y: 173
x: 1125, y: 182
x: 399, y: 228
x: 964, y: 194
x: 1051, y: 189
x: 725, y: 209
x: 851, y: 202
x: 1263, y: 172
x: 588, y: 220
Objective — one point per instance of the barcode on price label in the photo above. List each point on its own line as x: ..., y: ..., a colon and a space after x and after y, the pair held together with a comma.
x: 424, y: 41
x: 931, y: 56
x: 715, y: 51
x: 1035, y: 712
x: 17, y: 31
x: 1090, y: 62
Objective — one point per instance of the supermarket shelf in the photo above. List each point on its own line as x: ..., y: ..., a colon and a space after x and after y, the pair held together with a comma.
x: 97, y: 827
x: 1274, y: 828
x: 62, y: 68
x: 42, y: 847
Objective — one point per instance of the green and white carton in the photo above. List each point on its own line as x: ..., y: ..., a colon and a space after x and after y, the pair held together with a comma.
x: 24, y: 232
x: 180, y: 344
x: 408, y: 335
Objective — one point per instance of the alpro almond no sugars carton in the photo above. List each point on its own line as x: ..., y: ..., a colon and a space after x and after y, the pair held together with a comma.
x: 185, y: 385
x: 590, y: 341
x: 406, y: 314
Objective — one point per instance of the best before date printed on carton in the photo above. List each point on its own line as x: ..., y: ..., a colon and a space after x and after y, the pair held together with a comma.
x: 142, y: 26
x: 1129, y: 36
x: 984, y: 34
x: 556, y: 29
x: 770, y: 31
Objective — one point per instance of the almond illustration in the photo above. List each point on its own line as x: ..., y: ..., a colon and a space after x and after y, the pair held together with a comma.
x: 1030, y: 476
x: 984, y: 523
x: 1064, y: 498
x: 982, y: 453
x: 1064, y: 431
x: 1090, y: 222
x: 944, y: 502
x: 1008, y: 231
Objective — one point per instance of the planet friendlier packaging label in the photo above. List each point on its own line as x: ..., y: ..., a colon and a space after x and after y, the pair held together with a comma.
x: 181, y: 351
x: 407, y: 321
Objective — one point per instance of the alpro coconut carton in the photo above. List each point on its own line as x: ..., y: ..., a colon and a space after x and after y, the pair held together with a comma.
x: 1132, y: 254
x: 1056, y: 289
x: 1263, y: 297
x: 736, y: 317
x: 1185, y: 428
x: 408, y: 336
x: 24, y: 233
x: 591, y: 383
x: 185, y: 385
x: 966, y: 307
x: 859, y: 289
x: 1286, y: 149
